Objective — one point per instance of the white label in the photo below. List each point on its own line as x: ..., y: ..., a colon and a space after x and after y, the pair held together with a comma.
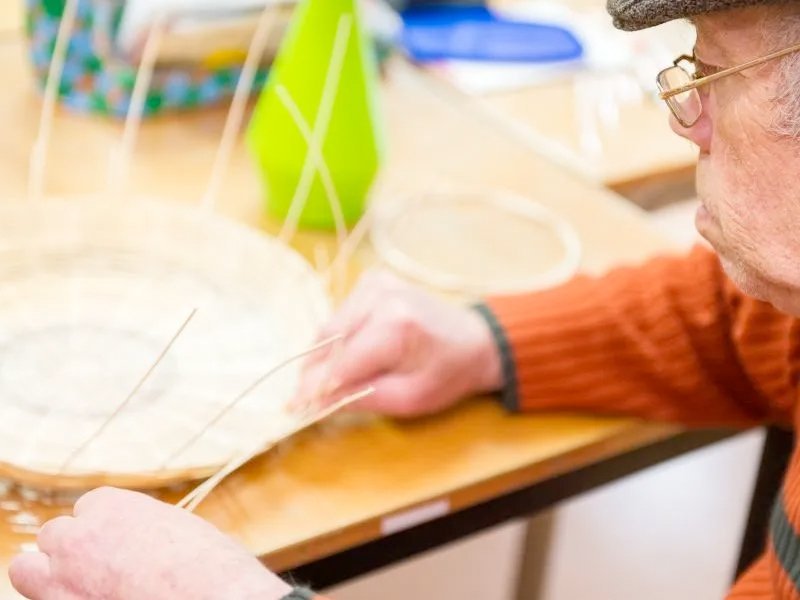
x: 415, y: 516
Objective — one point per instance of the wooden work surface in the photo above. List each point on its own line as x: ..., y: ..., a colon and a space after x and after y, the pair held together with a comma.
x: 333, y: 488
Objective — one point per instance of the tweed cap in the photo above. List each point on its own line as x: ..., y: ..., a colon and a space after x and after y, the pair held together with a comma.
x: 631, y: 15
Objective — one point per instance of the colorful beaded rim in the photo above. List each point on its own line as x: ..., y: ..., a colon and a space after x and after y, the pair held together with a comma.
x: 102, y: 83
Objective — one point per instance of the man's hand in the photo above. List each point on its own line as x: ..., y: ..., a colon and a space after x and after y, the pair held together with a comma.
x: 421, y: 354
x: 127, y: 546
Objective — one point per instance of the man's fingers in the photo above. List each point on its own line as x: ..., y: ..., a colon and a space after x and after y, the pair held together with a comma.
x: 311, y: 383
x: 365, y: 356
x: 86, y: 502
x: 359, y: 306
x: 394, y: 395
x: 30, y: 575
x: 353, y: 311
x: 56, y: 534
x: 104, y: 499
x: 359, y: 360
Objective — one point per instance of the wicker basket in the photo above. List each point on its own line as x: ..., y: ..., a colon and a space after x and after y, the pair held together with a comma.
x: 91, y: 291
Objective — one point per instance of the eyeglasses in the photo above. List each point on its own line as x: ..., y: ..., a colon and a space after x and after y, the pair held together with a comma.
x: 679, y: 88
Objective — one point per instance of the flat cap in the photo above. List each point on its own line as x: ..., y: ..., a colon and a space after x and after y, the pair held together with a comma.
x: 631, y: 15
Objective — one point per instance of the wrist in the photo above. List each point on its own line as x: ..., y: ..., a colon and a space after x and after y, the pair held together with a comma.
x: 487, y: 359
x: 502, y: 354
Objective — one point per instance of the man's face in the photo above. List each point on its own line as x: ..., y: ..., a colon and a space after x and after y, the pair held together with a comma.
x: 748, y: 177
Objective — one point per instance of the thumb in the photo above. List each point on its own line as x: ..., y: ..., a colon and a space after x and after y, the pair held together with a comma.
x: 30, y: 575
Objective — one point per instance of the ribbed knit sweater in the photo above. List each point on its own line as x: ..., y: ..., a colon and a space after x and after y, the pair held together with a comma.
x: 673, y: 340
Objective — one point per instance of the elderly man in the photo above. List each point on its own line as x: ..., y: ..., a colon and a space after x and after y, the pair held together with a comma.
x: 705, y: 339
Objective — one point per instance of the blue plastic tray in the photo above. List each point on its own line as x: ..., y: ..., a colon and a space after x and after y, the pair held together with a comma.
x: 434, y: 33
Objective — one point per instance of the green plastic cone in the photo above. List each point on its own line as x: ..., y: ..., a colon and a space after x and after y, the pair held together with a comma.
x: 326, y: 68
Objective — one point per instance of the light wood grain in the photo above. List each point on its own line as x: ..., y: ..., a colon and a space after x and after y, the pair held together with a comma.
x: 330, y: 488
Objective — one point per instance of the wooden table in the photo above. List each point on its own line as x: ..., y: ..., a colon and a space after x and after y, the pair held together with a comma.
x: 333, y: 491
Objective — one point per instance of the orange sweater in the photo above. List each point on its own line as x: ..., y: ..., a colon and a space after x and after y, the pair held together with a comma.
x: 673, y: 340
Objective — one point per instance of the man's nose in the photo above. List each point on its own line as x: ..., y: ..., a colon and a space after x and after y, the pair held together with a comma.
x: 699, y: 133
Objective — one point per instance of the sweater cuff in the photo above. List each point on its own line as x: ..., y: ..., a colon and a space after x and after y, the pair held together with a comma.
x: 509, y: 394
x: 300, y: 593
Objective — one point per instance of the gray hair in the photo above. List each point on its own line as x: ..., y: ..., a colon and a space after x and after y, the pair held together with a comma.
x: 784, y: 32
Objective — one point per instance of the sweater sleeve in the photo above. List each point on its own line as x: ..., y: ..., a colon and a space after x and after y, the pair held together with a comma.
x: 303, y: 593
x: 672, y: 340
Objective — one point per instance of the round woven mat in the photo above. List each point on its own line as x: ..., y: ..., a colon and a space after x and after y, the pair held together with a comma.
x: 477, y: 243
